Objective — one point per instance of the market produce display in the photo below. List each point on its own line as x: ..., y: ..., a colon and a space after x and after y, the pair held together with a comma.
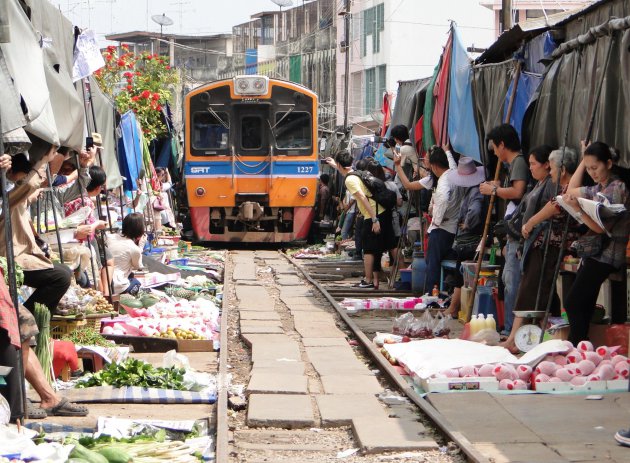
x: 87, y: 336
x: 80, y: 301
x: 43, y: 349
x: 134, y: 372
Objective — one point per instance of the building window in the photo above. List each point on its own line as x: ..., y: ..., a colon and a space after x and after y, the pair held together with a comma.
x: 372, y: 24
x: 267, y: 30
x: 375, y: 86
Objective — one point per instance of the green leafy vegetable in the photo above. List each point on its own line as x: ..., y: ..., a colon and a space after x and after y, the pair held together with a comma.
x: 134, y: 372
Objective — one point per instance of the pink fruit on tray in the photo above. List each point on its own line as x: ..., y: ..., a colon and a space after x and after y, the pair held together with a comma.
x: 560, y: 360
x: 524, y: 372
x: 504, y: 384
x: 578, y: 381
x: 585, y: 368
x: 619, y: 359
x: 547, y: 367
x: 568, y: 345
x: 504, y: 371
x: 565, y: 374
x: 603, y: 352
x: 542, y: 378
x: 593, y: 378
x: 606, y: 372
x: 518, y: 385
x: 585, y: 346
x: 622, y: 369
x: 574, y: 356
x: 486, y: 370
x: 592, y: 356
x: 467, y: 371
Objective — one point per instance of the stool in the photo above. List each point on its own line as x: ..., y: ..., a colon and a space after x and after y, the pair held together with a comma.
x: 97, y: 360
x: 446, y: 264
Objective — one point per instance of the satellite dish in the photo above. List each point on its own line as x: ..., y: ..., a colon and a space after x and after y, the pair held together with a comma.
x: 282, y: 3
x: 162, y: 20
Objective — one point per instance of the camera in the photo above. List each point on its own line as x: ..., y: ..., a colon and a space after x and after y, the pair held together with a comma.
x: 387, y: 142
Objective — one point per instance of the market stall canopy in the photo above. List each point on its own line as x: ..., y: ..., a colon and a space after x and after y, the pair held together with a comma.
x: 25, y: 64
x: 462, y: 131
x: 130, y: 151
x: 57, y: 33
x: 104, y: 114
x: 409, y: 102
x: 583, y: 58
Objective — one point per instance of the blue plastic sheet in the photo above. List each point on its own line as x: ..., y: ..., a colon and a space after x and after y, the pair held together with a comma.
x: 527, y: 85
x: 462, y: 130
x: 130, y: 151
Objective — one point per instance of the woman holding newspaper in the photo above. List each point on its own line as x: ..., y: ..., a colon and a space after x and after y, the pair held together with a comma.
x: 603, y: 248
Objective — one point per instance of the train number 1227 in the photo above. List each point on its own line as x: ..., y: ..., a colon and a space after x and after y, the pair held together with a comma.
x: 305, y: 169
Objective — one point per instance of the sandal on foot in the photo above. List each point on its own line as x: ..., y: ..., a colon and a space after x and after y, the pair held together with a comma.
x: 33, y: 412
x: 67, y: 408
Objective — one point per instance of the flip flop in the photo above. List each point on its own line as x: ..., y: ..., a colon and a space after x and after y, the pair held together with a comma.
x: 33, y: 412
x: 67, y: 408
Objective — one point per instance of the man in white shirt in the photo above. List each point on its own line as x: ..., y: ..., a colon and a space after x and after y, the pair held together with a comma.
x: 444, y: 210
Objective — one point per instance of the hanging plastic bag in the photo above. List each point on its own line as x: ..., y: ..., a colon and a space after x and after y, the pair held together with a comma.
x: 441, y: 329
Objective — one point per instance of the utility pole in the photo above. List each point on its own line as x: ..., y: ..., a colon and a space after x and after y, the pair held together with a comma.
x: 506, y: 13
x: 346, y: 93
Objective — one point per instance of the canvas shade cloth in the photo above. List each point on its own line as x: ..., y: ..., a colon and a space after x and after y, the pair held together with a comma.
x: 104, y: 113
x: 25, y: 63
x: 67, y: 106
x: 551, y: 113
x: 409, y: 104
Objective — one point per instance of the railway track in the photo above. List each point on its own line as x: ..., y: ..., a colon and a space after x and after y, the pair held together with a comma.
x: 291, y: 414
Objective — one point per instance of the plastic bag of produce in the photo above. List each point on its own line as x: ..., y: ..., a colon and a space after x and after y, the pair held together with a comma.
x: 403, y: 323
x: 441, y: 328
x: 486, y: 336
x: 173, y: 359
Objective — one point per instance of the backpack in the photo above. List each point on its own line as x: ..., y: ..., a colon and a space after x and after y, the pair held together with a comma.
x: 377, y: 188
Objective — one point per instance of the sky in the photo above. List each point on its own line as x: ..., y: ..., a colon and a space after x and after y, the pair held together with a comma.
x: 216, y: 16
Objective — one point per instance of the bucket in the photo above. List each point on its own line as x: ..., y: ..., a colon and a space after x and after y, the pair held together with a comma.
x: 418, y: 270
x: 405, y: 275
x: 484, y: 302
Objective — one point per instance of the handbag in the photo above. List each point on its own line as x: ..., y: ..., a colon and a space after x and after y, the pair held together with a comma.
x: 158, y: 205
x: 466, y: 244
x: 589, y: 245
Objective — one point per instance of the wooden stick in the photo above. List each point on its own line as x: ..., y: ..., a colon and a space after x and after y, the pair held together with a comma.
x: 486, y: 228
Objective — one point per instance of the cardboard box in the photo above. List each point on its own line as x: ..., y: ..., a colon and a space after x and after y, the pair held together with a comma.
x: 459, y: 384
x: 590, y: 386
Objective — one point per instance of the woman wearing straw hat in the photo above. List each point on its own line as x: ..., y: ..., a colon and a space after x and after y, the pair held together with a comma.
x: 466, y: 178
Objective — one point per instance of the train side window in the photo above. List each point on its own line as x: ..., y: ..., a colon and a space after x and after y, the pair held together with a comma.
x: 293, y: 131
x: 209, y: 131
x: 251, y: 132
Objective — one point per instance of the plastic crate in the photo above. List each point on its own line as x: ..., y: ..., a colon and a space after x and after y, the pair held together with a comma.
x: 61, y: 328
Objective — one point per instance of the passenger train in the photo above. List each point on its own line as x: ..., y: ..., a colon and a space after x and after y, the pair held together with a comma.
x: 251, y: 165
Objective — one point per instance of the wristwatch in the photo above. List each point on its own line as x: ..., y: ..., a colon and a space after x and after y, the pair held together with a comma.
x: 374, y: 219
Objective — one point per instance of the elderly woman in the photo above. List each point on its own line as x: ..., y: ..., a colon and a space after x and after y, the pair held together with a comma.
x: 532, y: 259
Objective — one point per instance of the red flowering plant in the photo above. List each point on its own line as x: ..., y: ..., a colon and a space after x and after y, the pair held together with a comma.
x: 138, y: 82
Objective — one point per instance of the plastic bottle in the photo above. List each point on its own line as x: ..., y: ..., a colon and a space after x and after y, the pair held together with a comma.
x: 493, y: 254
x: 476, y: 324
x: 436, y: 291
x: 491, y: 323
x: 418, y: 269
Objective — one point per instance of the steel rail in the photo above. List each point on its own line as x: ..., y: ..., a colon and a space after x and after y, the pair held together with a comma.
x: 462, y: 442
x: 222, y: 434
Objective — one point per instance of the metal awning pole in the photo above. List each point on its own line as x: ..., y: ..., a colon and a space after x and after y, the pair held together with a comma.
x: 54, y: 212
x: 8, y: 238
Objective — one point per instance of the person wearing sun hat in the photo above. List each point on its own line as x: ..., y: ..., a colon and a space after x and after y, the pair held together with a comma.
x: 466, y: 178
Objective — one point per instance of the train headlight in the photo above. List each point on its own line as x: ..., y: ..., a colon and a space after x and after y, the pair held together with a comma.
x: 251, y: 85
x: 303, y: 191
x: 200, y: 191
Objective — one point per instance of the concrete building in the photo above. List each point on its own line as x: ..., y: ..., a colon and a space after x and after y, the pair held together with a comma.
x: 524, y: 10
x: 296, y: 44
x: 201, y: 58
x: 379, y: 57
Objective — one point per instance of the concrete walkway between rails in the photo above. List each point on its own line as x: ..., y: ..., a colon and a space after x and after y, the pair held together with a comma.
x: 304, y: 372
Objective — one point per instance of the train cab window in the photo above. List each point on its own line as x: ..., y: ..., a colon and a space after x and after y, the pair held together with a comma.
x: 210, y: 131
x: 293, y: 130
x: 252, y: 132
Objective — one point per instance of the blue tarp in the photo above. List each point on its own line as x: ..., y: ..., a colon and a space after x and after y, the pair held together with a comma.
x: 527, y: 85
x: 537, y: 49
x: 251, y: 61
x: 462, y: 130
x: 130, y: 151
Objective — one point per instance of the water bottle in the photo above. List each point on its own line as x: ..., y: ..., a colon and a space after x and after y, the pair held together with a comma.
x: 418, y: 269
